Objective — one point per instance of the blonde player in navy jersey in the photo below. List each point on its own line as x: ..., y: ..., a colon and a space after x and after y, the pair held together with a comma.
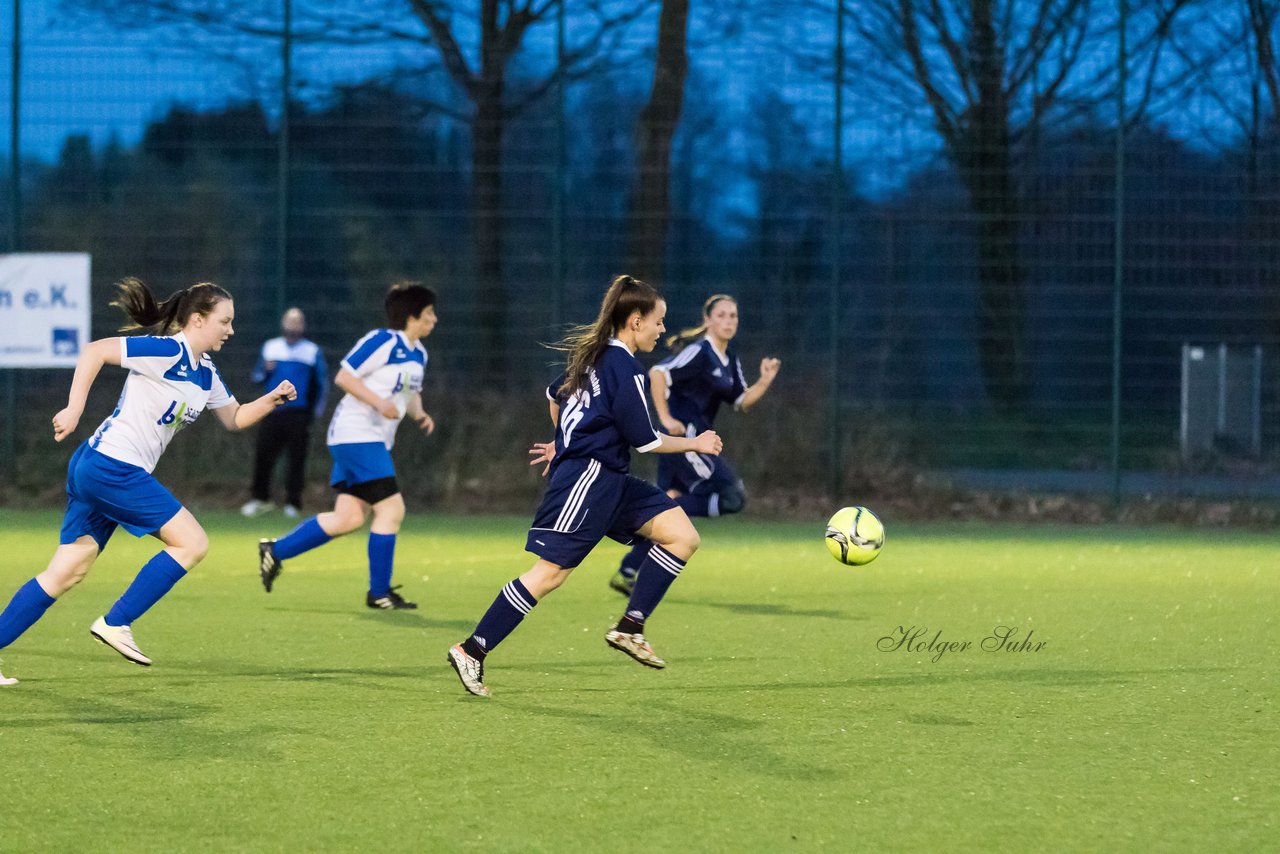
x: 688, y: 390
x: 600, y: 409
x: 382, y: 378
x: 109, y: 483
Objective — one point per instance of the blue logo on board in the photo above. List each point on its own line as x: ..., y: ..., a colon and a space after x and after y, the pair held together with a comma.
x: 66, y: 342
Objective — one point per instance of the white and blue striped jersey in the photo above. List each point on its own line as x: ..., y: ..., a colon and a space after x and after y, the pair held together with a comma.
x: 391, y: 367
x: 699, y: 379
x: 609, y: 415
x: 165, y: 391
x: 301, y: 363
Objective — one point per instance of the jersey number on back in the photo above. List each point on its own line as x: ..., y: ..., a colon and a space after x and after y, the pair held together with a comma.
x: 574, y: 411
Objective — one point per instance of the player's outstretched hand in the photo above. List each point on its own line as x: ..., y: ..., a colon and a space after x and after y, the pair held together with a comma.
x: 388, y: 409
x: 673, y: 425
x: 708, y: 442
x: 64, y: 423
x: 283, y: 393
x: 427, y: 423
x: 769, y: 369
x: 542, y: 452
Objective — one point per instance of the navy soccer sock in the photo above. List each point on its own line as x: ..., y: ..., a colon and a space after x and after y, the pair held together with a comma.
x: 696, y: 505
x: 632, y: 560
x: 26, y: 606
x: 511, y: 606
x: 155, y: 579
x: 303, y: 538
x: 382, y: 550
x: 658, y: 571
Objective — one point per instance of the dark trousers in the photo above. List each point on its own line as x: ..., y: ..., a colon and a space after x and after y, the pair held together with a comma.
x: 289, y: 430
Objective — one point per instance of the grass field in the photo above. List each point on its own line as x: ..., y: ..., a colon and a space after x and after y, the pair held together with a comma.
x: 302, y: 721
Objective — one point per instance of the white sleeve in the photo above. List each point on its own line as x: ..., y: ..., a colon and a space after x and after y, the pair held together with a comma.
x: 370, y: 353
x: 219, y: 394
x: 149, y: 355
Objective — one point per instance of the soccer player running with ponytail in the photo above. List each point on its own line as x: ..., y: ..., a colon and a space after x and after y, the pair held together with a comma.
x: 688, y: 390
x: 171, y: 381
x: 600, y: 409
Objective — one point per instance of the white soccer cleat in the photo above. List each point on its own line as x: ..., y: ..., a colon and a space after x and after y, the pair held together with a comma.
x: 292, y: 511
x: 635, y: 646
x: 470, y: 671
x: 6, y: 681
x: 119, y: 638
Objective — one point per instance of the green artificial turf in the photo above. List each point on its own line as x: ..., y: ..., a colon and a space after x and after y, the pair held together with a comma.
x: 300, y: 720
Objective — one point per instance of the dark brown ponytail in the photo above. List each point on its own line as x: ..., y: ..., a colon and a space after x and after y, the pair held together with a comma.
x: 585, y: 344
x: 135, y: 299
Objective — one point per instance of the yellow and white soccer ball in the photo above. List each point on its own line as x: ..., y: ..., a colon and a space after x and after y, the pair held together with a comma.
x: 855, y: 536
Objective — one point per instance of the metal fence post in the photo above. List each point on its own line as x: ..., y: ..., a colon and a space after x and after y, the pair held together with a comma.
x: 835, y: 479
x: 282, y: 161
x: 558, y: 199
x: 15, y: 233
x: 1117, y: 290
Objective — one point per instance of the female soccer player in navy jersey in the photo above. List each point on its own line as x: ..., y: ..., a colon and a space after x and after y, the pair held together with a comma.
x: 382, y: 376
x: 600, y: 410
x: 688, y: 389
x: 109, y: 483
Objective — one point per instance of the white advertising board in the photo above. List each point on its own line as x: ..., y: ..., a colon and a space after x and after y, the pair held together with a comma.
x: 44, y: 309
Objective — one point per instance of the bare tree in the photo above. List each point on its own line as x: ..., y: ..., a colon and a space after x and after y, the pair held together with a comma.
x: 989, y: 78
x: 649, y: 206
x: 441, y: 29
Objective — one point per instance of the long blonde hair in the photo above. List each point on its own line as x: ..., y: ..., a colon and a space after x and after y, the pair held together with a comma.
x: 585, y: 344
x: 687, y: 336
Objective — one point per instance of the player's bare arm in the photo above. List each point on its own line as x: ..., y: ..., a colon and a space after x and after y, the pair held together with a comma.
x: 354, y: 386
x: 658, y: 389
x: 768, y: 371
x: 105, y: 351
x: 239, y: 416
x: 420, y: 415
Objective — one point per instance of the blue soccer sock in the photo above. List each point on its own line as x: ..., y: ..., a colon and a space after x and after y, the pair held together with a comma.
x: 303, y: 538
x: 511, y: 606
x: 26, y: 606
x: 659, y: 570
x: 382, y: 550
x: 155, y: 579
x: 631, y: 560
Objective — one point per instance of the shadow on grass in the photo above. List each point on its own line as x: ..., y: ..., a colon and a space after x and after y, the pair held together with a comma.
x: 408, y: 619
x: 771, y: 609
x: 699, y: 734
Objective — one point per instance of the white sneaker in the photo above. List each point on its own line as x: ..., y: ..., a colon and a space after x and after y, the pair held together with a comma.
x: 292, y: 511
x: 6, y: 681
x: 635, y: 646
x: 254, y: 507
x: 119, y: 638
x: 470, y: 671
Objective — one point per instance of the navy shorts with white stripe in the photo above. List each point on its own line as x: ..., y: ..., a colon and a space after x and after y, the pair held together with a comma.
x: 586, y: 502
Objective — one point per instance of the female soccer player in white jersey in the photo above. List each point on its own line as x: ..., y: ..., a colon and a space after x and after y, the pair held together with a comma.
x: 382, y: 376
x: 109, y: 483
x: 688, y: 389
x: 600, y: 411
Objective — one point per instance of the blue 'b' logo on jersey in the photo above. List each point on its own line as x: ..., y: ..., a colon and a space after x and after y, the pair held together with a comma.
x: 172, y: 416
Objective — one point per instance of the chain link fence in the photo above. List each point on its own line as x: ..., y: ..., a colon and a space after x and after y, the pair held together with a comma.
x: 917, y: 211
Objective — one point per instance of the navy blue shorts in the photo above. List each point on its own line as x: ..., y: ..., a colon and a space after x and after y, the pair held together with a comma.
x: 695, y: 474
x: 586, y: 502
x: 103, y: 492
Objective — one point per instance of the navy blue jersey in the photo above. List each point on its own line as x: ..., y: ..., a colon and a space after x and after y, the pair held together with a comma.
x: 608, y: 416
x: 699, y: 379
